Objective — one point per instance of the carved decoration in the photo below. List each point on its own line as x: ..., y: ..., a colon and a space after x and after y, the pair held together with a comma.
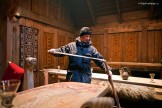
x: 28, y: 43
x: 47, y: 58
x: 115, y: 47
x: 130, y: 45
x: 61, y: 42
x: 97, y: 42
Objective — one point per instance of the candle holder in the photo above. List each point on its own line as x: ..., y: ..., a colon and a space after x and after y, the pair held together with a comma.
x: 152, y: 75
x: 8, y: 89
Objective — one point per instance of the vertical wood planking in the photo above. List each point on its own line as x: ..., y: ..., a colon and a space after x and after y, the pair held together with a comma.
x: 35, y: 6
x: 151, y: 46
x: 144, y: 45
x: 26, y: 4
x: 124, y: 35
x: 158, y: 45
x: 106, y: 43
x: 137, y: 47
x: 130, y: 47
x: 115, y: 47
x: 140, y: 47
x: 63, y: 38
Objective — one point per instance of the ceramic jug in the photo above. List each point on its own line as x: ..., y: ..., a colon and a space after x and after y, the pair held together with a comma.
x: 124, y: 73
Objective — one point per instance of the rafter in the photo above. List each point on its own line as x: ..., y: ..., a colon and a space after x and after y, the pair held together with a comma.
x: 91, y: 11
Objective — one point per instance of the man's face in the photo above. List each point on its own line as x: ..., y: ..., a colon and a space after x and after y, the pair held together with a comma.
x: 85, y: 38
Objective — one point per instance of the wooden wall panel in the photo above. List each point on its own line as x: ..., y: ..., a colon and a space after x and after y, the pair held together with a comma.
x: 158, y: 46
x: 97, y: 42
x: 48, y: 37
x: 35, y: 8
x: 63, y: 39
x: 52, y: 12
x: 61, y: 60
x: 144, y: 45
x: 139, y: 58
x: 151, y: 46
x: 47, y: 44
x: 26, y: 4
x: 43, y: 7
x: 130, y: 47
x: 115, y: 47
x: 105, y: 45
x: 133, y: 46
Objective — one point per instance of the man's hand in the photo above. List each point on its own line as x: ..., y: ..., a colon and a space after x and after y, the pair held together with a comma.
x: 52, y: 51
x: 110, y: 73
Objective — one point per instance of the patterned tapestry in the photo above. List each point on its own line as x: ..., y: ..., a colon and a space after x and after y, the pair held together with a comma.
x: 28, y: 43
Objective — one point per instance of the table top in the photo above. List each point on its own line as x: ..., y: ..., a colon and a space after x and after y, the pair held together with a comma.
x: 117, y: 78
x: 58, y: 95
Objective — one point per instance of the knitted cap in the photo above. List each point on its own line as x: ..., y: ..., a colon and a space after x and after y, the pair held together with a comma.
x: 85, y: 31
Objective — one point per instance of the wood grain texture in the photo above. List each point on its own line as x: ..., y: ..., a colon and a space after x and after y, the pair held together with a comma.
x: 58, y: 95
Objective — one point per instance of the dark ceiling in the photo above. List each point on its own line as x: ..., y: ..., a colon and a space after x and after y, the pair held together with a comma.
x: 85, y: 12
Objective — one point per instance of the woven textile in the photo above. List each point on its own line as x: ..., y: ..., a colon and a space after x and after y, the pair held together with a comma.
x: 28, y: 43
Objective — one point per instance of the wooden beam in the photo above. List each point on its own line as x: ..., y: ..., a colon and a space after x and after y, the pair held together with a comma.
x: 118, y: 10
x: 91, y: 11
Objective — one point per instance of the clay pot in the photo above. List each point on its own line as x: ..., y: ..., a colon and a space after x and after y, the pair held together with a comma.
x: 124, y: 73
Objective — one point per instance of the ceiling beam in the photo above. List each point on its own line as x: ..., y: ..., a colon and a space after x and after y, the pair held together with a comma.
x: 91, y: 11
x: 118, y: 10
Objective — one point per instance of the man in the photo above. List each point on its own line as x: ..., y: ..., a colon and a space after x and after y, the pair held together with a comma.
x: 79, y: 69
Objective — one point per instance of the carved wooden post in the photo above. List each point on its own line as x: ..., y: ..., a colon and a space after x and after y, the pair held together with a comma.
x: 28, y: 81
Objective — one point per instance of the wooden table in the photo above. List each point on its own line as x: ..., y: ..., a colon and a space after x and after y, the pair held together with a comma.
x: 58, y: 95
x: 116, y: 78
x: 136, y: 64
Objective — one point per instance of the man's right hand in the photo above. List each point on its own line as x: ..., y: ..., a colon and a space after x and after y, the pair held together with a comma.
x: 52, y: 51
